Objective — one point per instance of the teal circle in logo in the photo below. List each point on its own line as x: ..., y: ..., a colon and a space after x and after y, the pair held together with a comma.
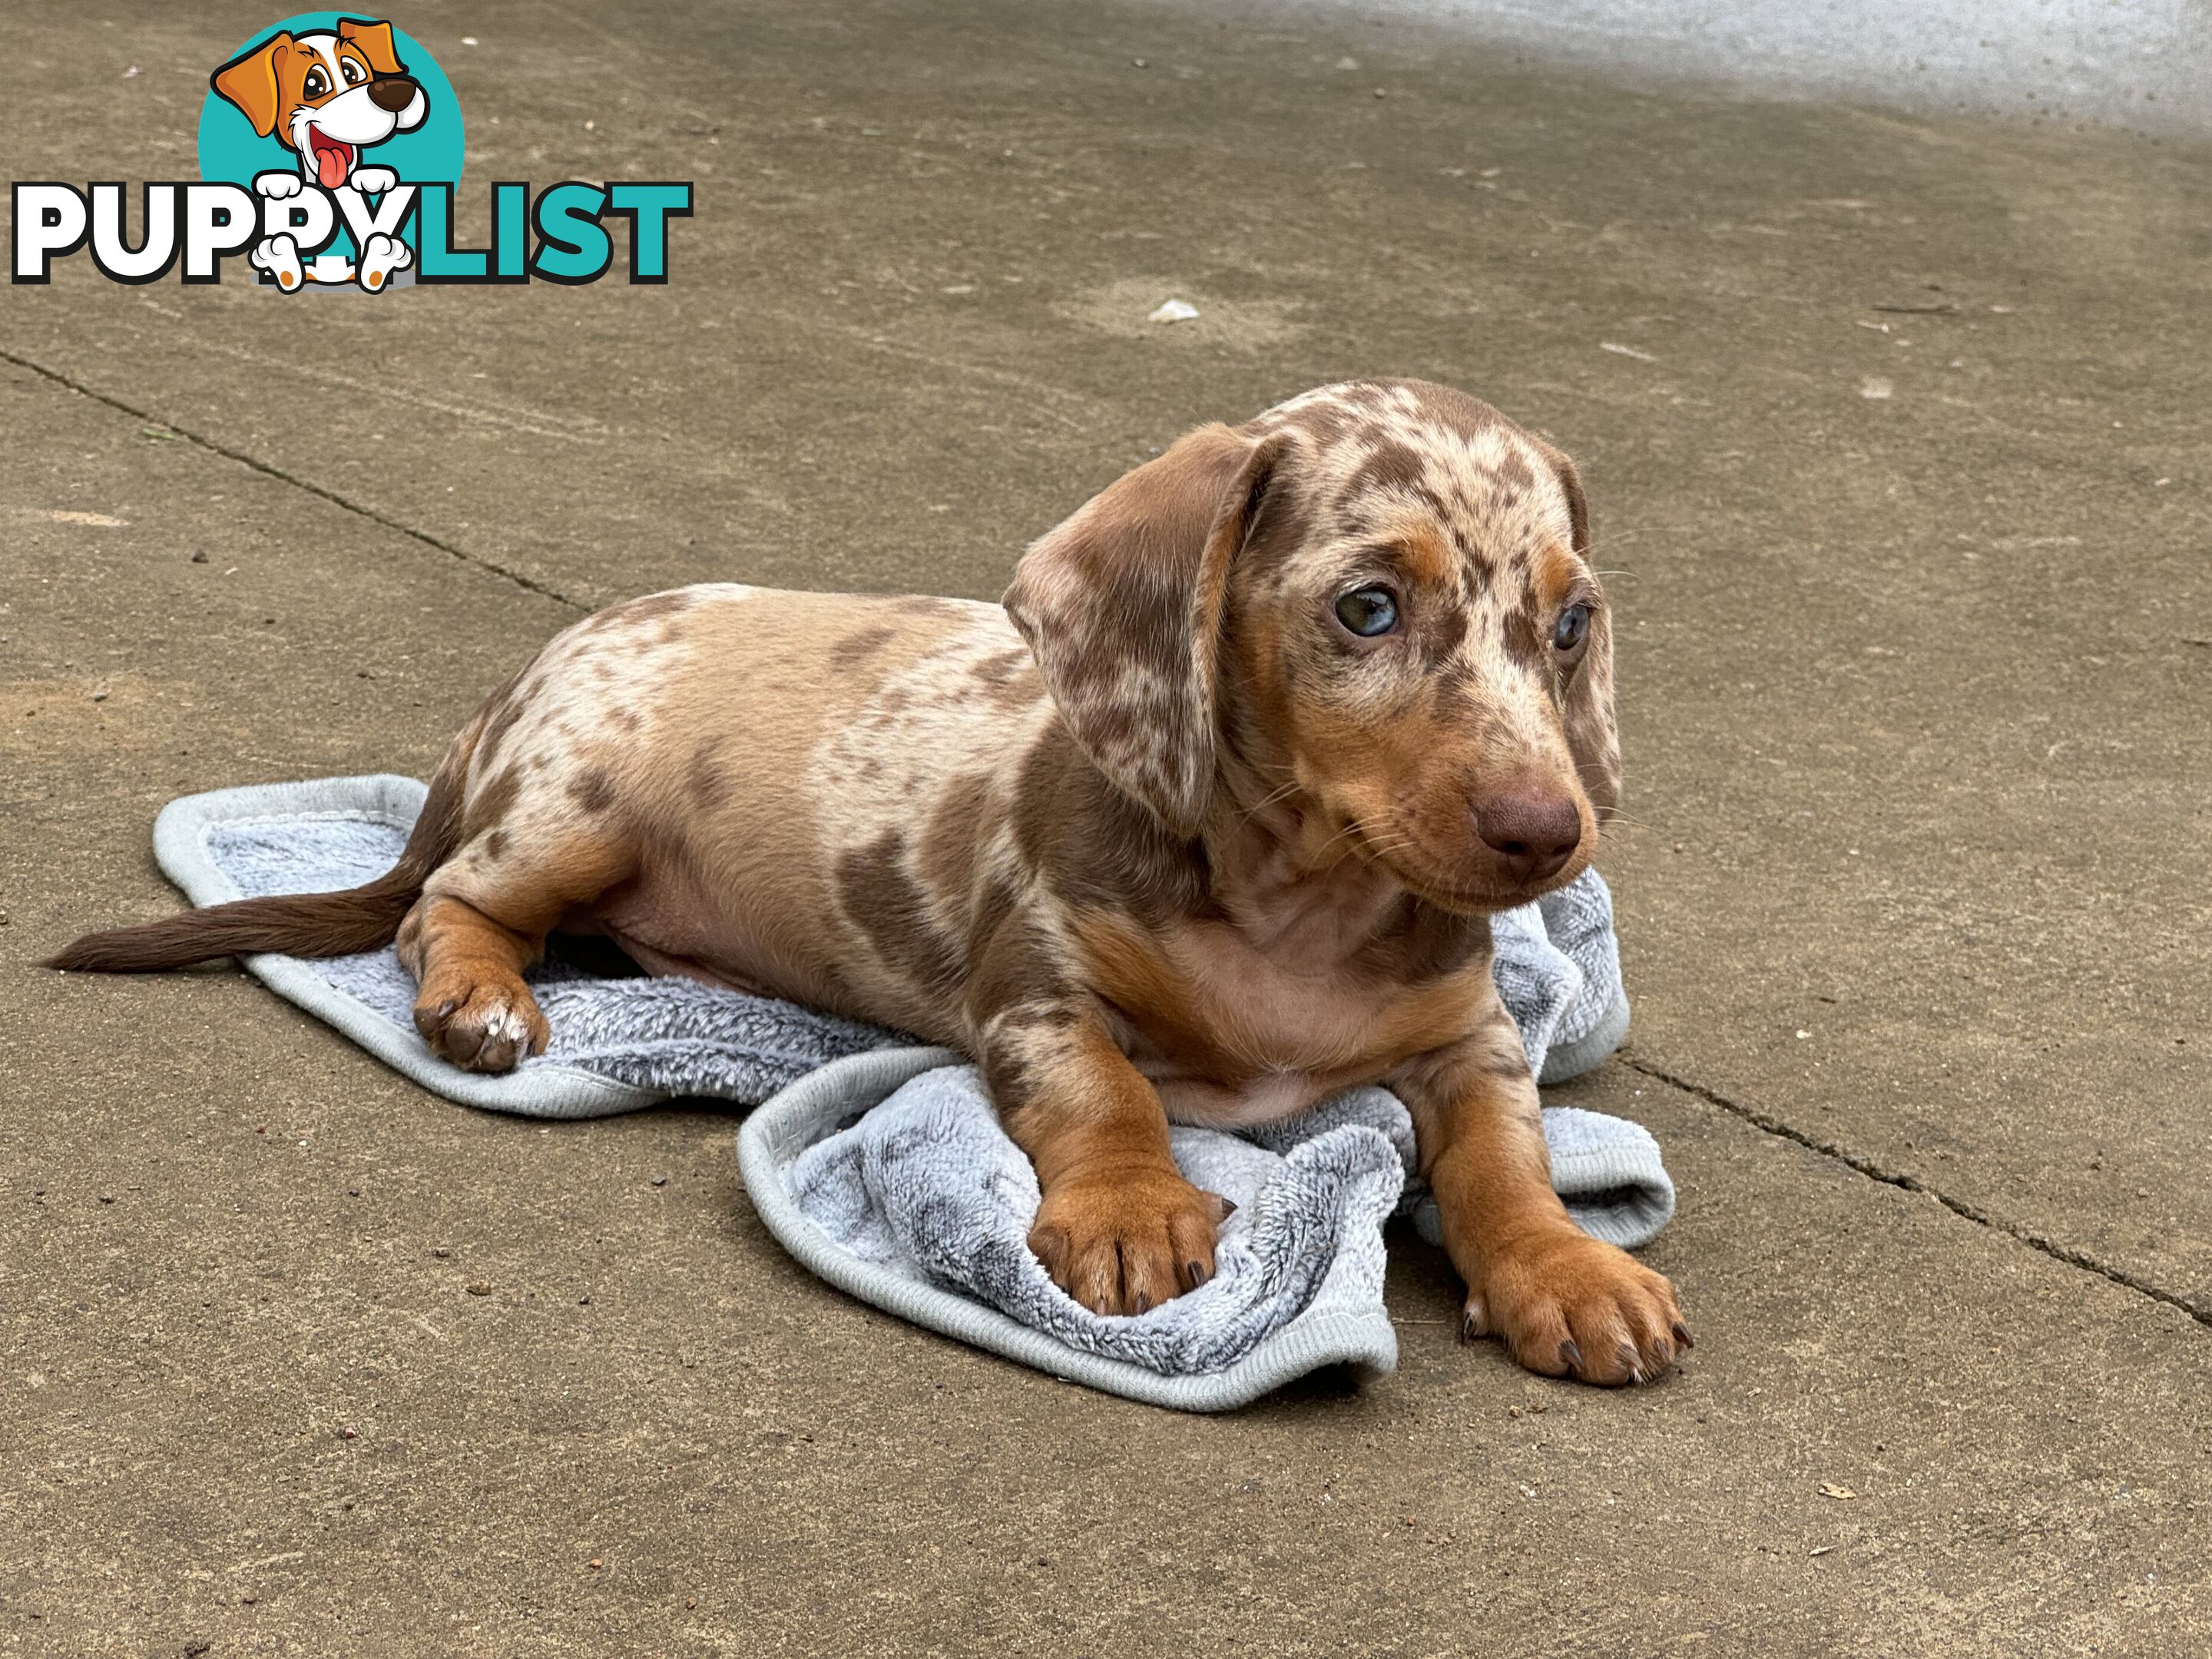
x: 232, y: 151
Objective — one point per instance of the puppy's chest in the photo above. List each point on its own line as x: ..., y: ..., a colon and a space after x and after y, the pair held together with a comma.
x: 1232, y: 1035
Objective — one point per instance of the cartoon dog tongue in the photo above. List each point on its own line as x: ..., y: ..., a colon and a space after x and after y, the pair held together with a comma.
x: 329, y: 162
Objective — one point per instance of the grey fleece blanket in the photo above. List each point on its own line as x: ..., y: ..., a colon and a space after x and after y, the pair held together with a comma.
x: 881, y: 1165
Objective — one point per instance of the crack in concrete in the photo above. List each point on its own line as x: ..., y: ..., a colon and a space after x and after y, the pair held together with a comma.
x: 2041, y: 1242
x: 296, y: 482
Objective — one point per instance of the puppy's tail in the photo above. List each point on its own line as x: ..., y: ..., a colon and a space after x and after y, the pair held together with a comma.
x: 362, y: 918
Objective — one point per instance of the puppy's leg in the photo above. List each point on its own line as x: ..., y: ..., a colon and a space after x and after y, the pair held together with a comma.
x: 1566, y: 1303
x: 1119, y: 1229
x: 483, y: 920
x: 471, y: 1004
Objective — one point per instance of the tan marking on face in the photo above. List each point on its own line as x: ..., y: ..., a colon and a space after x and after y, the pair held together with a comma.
x: 1557, y: 573
x: 1423, y: 552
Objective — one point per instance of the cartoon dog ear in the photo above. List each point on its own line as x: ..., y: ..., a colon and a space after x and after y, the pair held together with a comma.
x: 374, y: 40
x: 1122, y: 607
x: 1592, y: 736
x: 249, y: 81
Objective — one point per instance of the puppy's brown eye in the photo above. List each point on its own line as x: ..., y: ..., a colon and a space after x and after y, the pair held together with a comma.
x: 1573, y: 628
x: 1367, y: 611
x: 314, y: 86
x: 354, y: 74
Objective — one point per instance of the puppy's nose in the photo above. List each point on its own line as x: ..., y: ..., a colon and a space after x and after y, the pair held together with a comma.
x: 392, y: 93
x: 1532, y: 834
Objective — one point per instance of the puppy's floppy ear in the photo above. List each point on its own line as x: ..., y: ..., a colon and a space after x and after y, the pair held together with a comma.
x: 1122, y: 607
x: 249, y: 81
x: 1592, y: 735
x: 374, y: 40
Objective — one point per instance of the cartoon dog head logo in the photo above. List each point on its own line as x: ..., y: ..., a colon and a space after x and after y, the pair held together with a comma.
x: 329, y: 94
x: 322, y: 91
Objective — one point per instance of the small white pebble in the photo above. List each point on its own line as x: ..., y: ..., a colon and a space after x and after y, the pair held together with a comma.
x: 1174, y: 311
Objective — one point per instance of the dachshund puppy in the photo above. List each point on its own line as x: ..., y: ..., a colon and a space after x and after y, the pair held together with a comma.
x: 1203, y: 826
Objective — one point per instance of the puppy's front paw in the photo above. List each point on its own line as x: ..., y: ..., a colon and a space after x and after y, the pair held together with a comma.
x: 1570, y: 1306
x: 479, y: 1024
x: 277, y: 186
x: 1126, y: 1241
x: 374, y: 181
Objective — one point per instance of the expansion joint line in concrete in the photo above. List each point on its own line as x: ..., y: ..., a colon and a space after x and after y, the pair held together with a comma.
x: 296, y: 482
x: 1767, y: 1122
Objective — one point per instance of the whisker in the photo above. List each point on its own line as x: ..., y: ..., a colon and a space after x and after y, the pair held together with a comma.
x: 1269, y: 799
x: 1350, y: 829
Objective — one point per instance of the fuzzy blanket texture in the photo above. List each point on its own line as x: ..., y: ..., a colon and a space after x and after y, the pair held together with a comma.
x: 880, y: 1164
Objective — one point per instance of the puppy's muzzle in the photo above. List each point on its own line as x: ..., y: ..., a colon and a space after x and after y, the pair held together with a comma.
x: 392, y: 93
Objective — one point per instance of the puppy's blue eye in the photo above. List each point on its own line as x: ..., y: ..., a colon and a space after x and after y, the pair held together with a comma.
x: 1573, y: 628
x: 1367, y: 611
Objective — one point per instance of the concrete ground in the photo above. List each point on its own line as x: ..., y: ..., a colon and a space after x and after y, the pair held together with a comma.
x: 1894, y: 433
